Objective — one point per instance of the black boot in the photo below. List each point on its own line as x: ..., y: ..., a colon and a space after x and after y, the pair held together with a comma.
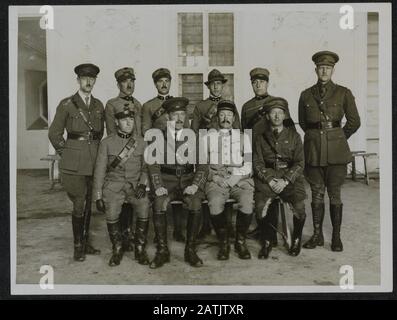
x: 177, y: 214
x: 126, y: 221
x: 206, y: 225
x: 220, y: 225
x: 162, y: 255
x: 266, y: 229
x: 77, y: 224
x: 317, y: 238
x: 336, y: 220
x: 89, y: 248
x: 193, y: 225
x: 243, y: 222
x: 296, y: 236
x: 256, y: 233
x: 229, y: 219
x: 114, y: 230
x: 140, y: 241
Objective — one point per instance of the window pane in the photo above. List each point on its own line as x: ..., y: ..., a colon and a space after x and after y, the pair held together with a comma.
x: 191, y: 87
x: 221, y: 39
x: 190, y: 36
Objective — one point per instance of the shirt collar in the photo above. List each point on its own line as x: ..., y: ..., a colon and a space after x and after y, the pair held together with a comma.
x: 83, y: 96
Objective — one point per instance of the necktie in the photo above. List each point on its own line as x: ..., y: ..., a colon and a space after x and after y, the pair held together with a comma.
x: 275, y: 133
x: 86, y: 101
x: 128, y: 98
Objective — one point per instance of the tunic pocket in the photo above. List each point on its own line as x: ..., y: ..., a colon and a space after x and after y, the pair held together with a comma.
x: 338, y: 148
x: 70, y: 159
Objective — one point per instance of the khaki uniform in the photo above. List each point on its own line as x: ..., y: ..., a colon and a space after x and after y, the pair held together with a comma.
x: 116, y: 185
x: 118, y: 103
x: 79, y: 151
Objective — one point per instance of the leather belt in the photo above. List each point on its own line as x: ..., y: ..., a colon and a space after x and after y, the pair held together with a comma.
x: 277, y: 165
x: 85, y: 136
x: 323, y: 125
x: 177, y: 171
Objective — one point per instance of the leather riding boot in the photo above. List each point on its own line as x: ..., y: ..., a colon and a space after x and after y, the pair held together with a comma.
x: 114, y: 230
x: 297, y: 236
x: 89, y: 248
x: 243, y: 222
x: 229, y: 220
x: 162, y: 255
x: 193, y: 225
x: 317, y: 238
x: 77, y: 224
x: 336, y: 220
x: 266, y: 229
x: 126, y: 221
x: 220, y: 225
x: 177, y: 214
x: 206, y: 225
x: 141, y: 231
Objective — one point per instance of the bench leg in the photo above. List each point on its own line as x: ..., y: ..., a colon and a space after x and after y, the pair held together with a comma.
x: 366, y: 171
x: 52, y: 165
x: 354, y: 169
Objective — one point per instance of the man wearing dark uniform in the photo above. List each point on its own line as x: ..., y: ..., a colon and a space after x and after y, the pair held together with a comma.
x: 82, y: 117
x: 155, y: 116
x: 204, y: 117
x: 278, y: 166
x: 327, y: 153
x: 176, y: 181
x: 125, y: 78
x: 121, y: 175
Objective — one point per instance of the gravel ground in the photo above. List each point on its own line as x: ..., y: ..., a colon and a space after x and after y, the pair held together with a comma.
x: 44, y: 236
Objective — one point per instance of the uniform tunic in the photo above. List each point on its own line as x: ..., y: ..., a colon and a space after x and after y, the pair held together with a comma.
x: 118, y: 103
x: 116, y: 185
x: 326, y: 149
x: 279, y: 157
x: 77, y: 156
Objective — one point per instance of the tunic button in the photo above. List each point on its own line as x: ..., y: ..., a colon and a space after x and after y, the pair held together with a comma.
x: 321, y: 102
x: 321, y: 132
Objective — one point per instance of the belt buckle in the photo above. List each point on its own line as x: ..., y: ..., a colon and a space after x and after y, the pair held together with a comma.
x: 178, y: 172
x: 90, y: 136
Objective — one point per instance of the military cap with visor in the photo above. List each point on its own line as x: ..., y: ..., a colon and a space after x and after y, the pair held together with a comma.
x: 327, y: 58
x: 175, y: 104
x: 161, y: 73
x: 87, y: 70
x: 226, y: 105
x: 259, y: 73
x: 124, y: 74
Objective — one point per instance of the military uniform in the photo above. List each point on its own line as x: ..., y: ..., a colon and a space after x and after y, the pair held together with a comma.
x: 84, y: 125
x: 279, y: 155
x: 114, y: 105
x: 321, y: 110
x: 117, y: 183
x: 236, y: 175
x: 175, y: 178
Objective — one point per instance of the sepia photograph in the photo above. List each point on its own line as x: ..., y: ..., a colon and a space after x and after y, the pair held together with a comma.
x: 241, y: 148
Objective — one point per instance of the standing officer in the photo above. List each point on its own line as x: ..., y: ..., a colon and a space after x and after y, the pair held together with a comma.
x: 125, y: 78
x: 155, y: 116
x: 204, y: 117
x: 82, y: 117
x: 229, y: 179
x: 278, y: 167
x: 121, y: 175
x: 321, y: 109
x: 176, y: 181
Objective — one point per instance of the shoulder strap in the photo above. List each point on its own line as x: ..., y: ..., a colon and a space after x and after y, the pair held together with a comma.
x: 159, y: 112
x: 125, y: 153
x: 82, y: 115
x: 255, y: 118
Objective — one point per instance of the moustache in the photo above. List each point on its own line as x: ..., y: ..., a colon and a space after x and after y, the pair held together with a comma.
x: 226, y: 121
x: 179, y: 122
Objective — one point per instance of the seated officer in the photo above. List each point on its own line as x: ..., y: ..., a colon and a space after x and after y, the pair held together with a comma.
x: 121, y: 175
x: 229, y: 179
x: 176, y: 181
x: 278, y: 166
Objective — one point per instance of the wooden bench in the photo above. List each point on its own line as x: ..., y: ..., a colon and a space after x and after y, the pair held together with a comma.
x: 364, y: 155
x: 53, y: 160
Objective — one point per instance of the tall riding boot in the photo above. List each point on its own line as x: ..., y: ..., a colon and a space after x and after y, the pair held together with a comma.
x: 193, y: 225
x: 89, y: 248
x: 336, y: 220
x: 142, y: 226
x: 266, y: 230
x: 77, y: 224
x: 297, y: 236
x: 114, y: 230
x: 256, y: 233
x: 162, y: 253
x: 243, y: 222
x: 229, y: 220
x: 317, y: 238
x: 126, y: 221
x: 177, y: 214
x: 206, y: 225
x: 220, y: 225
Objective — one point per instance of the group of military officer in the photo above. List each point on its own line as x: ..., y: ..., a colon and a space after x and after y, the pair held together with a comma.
x: 115, y: 173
